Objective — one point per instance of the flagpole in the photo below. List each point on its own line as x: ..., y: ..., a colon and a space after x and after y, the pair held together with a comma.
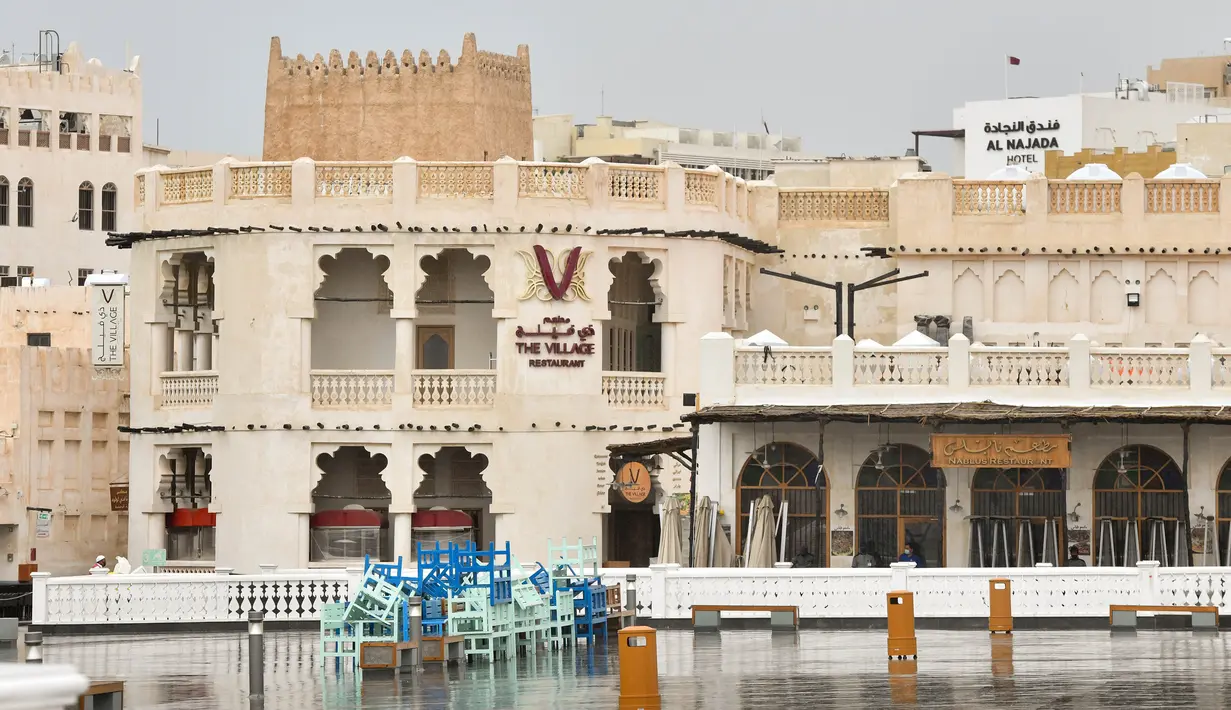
x: 1006, y: 76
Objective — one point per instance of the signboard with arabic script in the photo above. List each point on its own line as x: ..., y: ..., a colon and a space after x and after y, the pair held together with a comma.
x: 107, y: 324
x: 1001, y: 451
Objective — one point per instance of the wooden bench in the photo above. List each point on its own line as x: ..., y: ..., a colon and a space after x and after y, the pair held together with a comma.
x: 442, y: 649
x: 387, y: 655
x: 709, y: 616
x: 1125, y: 615
x: 616, y: 610
x: 102, y: 695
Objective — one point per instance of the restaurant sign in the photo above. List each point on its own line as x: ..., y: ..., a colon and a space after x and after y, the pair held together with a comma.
x: 1001, y: 451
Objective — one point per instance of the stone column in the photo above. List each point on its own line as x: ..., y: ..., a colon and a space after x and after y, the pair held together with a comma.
x: 717, y: 381
x: 401, y: 537
x: 183, y: 349
x: 404, y: 357
x: 158, y: 355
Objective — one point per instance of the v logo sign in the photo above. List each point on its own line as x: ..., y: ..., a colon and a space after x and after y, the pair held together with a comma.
x: 559, y: 288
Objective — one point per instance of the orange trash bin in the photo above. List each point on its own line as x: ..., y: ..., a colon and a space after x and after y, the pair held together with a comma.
x: 1000, y: 603
x: 901, y: 622
x: 639, y: 669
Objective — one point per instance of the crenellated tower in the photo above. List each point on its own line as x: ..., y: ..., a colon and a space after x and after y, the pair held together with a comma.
x: 382, y: 108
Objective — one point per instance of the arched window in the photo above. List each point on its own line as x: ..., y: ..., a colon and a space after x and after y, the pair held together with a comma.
x: 85, y: 206
x: 900, y: 499
x: 4, y: 201
x: 1140, y: 509
x: 1017, y: 516
x: 108, y: 211
x: 790, y: 472
x: 25, y: 202
x: 1223, y: 517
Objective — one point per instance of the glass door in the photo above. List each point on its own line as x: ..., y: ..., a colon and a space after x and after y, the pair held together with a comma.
x: 925, y: 536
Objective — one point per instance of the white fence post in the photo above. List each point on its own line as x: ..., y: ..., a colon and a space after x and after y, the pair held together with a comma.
x: 1201, y: 364
x: 1147, y: 580
x: 843, y: 354
x: 959, y: 362
x: 658, y: 596
x: 1079, y: 363
x: 38, y: 613
x: 898, y: 573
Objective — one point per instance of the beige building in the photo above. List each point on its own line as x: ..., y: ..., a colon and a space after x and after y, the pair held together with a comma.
x: 383, y: 107
x: 1212, y: 74
x: 60, y: 447
x: 750, y: 156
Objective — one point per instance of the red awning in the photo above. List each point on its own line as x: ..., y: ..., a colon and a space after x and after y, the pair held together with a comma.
x: 440, y: 519
x: 192, y: 518
x: 345, y: 519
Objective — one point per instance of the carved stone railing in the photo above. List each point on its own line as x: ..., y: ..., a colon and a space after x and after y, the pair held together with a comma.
x: 1220, y: 371
x: 833, y: 205
x: 189, y: 389
x: 1182, y: 196
x: 1019, y: 367
x: 456, y: 181
x: 454, y: 388
x: 553, y: 181
x: 354, y: 180
x: 635, y: 390
x: 139, y: 190
x: 183, y: 187
x: 783, y: 366
x: 982, y: 197
x: 1083, y: 197
x: 1139, y: 367
x: 255, y: 181
x: 635, y: 184
x: 701, y: 187
x: 900, y: 366
x: 352, y: 389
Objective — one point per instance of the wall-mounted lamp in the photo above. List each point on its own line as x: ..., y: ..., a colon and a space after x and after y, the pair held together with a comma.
x: 841, y: 512
x: 956, y: 508
x: 1074, y: 516
x: 1134, y: 300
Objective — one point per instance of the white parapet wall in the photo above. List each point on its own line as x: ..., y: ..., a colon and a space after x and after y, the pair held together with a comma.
x: 38, y: 687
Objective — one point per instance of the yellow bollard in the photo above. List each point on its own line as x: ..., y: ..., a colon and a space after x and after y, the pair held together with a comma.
x: 1000, y: 603
x: 901, y: 621
x: 639, y: 669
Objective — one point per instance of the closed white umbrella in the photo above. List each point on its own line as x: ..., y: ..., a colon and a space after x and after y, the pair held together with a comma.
x: 761, y: 550
x: 724, y: 554
x: 669, y: 537
x: 701, y: 520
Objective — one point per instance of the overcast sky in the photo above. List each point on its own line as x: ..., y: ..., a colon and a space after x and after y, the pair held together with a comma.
x: 853, y: 77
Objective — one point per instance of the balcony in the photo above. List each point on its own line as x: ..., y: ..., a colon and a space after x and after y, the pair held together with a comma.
x: 454, y: 388
x: 962, y: 372
x: 635, y: 390
x: 659, y: 197
x: 352, y: 389
x: 189, y: 389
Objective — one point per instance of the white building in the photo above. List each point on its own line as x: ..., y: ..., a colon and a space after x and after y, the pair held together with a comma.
x: 1019, y: 131
x: 70, y: 141
x: 746, y: 155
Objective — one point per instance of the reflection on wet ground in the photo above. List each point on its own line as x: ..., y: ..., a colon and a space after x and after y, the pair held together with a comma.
x: 737, y: 669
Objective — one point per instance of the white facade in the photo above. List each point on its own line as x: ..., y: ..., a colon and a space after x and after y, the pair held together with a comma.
x: 1020, y: 131
x: 70, y: 141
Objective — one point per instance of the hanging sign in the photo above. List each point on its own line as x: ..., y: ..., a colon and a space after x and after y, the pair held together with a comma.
x: 119, y: 497
x: 1001, y: 451
x: 633, y: 482
x: 107, y: 325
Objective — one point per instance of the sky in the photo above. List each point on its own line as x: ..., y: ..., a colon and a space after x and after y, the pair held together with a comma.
x: 851, y: 78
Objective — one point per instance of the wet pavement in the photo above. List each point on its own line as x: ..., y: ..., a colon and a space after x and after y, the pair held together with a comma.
x: 736, y: 669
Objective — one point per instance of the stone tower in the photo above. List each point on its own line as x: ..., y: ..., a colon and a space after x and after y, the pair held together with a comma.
x: 385, y: 108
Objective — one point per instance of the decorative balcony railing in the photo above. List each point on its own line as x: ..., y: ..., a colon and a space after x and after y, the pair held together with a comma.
x: 454, y: 388
x: 561, y: 182
x: 1198, y: 374
x: 1084, y: 197
x: 352, y: 389
x: 184, y: 187
x: 701, y: 187
x: 833, y: 205
x: 455, y: 181
x: 354, y: 180
x: 635, y: 390
x: 253, y: 181
x: 189, y: 389
x: 640, y: 184
x: 1182, y: 196
x: 983, y: 197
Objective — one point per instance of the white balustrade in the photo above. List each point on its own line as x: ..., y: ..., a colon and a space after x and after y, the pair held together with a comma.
x: 1139, y: 367
x: 640, y: 184
x: 558, y: 181
x: 1019, y: 367
x: 1221, y: 367
x: 900, y: 366
x: 784, y: 366
x: 635, y: 390
x: 454, y: 388
x: 354, y: 180
x: 352, y: 388
x: 255, y: 181
x: 189, y: 389
x: 182, y: 187
x: 456, y: 180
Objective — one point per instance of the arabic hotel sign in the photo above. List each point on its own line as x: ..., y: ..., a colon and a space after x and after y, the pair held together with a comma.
x: 1018, y: 136
x: 107, y: 325
x: 1000, y: 451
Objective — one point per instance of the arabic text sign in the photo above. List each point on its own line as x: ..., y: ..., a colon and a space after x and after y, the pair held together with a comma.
x: 107, y: 325
x: 42, y: 524
x: 1000, y: 451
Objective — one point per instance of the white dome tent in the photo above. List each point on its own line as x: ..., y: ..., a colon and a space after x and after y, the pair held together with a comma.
x: 994, y: 198
x: 1181, y: 171
x: 1096, y: 172
x: 1010, y: 173
x: 916, y: 339
x: 764, y: 338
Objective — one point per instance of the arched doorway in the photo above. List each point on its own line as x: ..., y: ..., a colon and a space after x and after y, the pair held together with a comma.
x: 1224, y: 515
x: 787, y: 472
x: 1140, y: 508
x: 900, y: 499
x: 1017, y: 515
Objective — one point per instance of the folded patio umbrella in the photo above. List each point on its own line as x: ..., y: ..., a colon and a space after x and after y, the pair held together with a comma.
x: 761, y: 551
x: 669, y: 538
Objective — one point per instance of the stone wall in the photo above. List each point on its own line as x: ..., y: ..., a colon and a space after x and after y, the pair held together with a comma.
x: 385, y: 108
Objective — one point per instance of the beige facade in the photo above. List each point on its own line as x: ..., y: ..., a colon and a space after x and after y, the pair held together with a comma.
x: 380, y: 108
x: 60, y: 447
x: 1212, y: 73
x: 1205, y: 146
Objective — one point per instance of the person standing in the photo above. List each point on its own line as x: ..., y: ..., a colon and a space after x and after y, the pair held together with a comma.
x: 910, y: 554
x: 1074, y: 559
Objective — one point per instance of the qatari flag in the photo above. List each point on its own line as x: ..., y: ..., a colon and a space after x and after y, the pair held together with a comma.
x: 1014, y: 61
